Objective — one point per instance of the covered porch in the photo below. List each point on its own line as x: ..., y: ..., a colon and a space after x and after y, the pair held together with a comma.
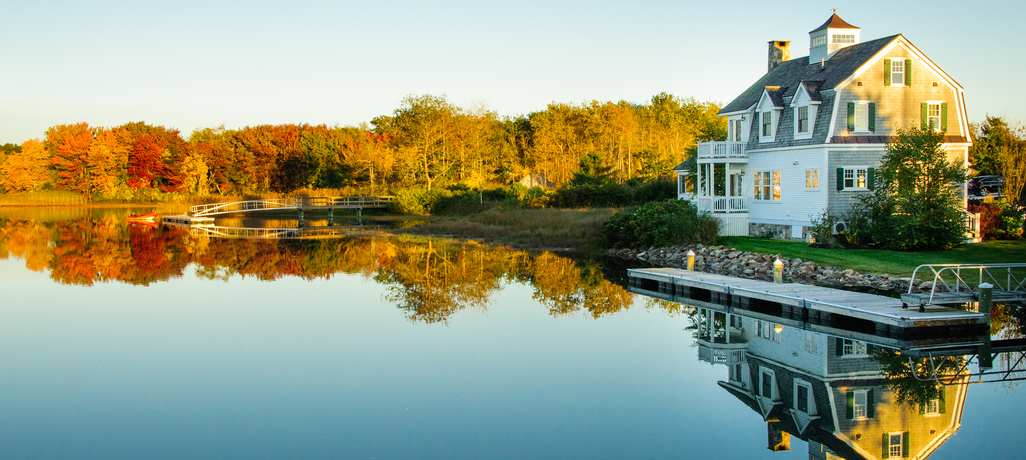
x: 719, y: 185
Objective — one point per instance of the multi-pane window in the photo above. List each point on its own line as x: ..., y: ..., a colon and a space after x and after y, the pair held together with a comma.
x: 933, y: 116
x: 803, y: 119
x: 861, y: 404
x: 811, y: 178
x: 853, y: 348
x: 737, y: 131
x: 855, y: 177
x: 767, y: 185
x: 767, y: 124
x: 861, y: 116
x: 844, y: 38
x: 767, y: 330
x: 932, y: 406
x: 894, y: 445
x: 811, y: 342
x: 801, y: 397
x: 819, y: 41
x: 897, y: 72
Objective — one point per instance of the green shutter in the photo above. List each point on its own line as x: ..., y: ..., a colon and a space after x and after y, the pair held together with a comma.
x: 904, y: 444
x: 839, y: 341
x: 840, y: 186
x: 872, y: 117
x: 944, y: 116
x: 887, y: 72
x: 851, y: 405
x: 870, y: 404
x: 851, y: 116
x: 923, y: 109
x: 940, y: 394
x: 922, y: 408
x: 871, y: 183
x: 886, y: 446
x: 908, y: 73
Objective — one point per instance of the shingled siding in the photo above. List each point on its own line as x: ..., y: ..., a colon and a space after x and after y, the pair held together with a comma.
x: 897, y: 106
x: 840, y: 201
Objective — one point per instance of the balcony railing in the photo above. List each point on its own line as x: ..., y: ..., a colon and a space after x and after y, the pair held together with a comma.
x: 721, y: 150
x: 723, y: 204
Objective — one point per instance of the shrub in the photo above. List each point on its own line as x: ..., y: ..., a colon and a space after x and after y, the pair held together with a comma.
x: 660, y: 223
x: 1000, y: 220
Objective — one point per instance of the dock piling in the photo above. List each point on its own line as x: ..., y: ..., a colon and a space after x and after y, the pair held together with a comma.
x: 985, y: 297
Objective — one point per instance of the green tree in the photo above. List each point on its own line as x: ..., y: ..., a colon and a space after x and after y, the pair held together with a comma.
x: 916, y: 205
x: 993, y: 139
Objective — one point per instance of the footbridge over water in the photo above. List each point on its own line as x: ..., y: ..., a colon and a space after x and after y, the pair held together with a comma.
x: 301, y: 204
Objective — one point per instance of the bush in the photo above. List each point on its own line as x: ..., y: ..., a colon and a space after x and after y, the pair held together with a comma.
x: 999, y: 220
x: 660, y: 223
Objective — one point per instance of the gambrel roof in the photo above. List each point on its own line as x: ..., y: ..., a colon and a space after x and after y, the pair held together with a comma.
x: 790, y: 74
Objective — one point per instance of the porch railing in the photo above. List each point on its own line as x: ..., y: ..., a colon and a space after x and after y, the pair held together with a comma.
x: 721, y: 150
x: 723, y: 204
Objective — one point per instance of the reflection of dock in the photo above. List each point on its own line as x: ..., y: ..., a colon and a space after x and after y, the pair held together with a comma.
x: 187, y: 220
x: 874, y: 314
x: 276, y: 233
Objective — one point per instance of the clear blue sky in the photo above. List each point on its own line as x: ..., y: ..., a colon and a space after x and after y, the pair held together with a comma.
x: 195, y: 64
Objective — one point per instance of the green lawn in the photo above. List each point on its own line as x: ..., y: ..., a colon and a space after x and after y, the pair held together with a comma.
x: 895, y: 263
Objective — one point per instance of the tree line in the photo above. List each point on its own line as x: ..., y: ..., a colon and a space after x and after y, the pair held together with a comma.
x: 427, y: 142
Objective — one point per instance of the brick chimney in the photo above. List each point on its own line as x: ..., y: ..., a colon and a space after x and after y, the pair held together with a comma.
x: 779, y: 51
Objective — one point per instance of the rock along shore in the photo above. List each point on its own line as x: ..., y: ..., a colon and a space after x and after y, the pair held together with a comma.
x: 732, y: 262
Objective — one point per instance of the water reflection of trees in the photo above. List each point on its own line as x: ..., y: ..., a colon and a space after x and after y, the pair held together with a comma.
x: 429, y: 280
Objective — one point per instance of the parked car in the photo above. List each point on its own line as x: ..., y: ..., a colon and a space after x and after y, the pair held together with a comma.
x: 980, y: 186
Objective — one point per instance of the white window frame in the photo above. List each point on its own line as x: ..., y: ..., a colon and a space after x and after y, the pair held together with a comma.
x: 895, y: 63
x: 767, y: 185
x: 804, y: 387
x: 798, y: 120
x: 771, y: 124
x: 891, y: 446
x: 812, y: 179
x: 857, y: 175
x: 774, y: 392
x: 861, y: 116
x: 736, y: 128
x: 933, y: 406
x: 930, y: 106
x: 860, y: 411
x: 819, y: 40
x: 812, y: 343
x: 854, y: 348
x: 846, y: 39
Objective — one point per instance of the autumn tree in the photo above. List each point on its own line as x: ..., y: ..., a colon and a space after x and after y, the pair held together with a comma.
x: 27, y: 169
x: 69, y: 149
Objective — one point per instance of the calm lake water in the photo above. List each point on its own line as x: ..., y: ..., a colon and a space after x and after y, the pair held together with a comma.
x: 139, y: 342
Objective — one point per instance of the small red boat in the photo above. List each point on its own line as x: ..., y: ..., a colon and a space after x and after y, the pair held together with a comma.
x: 148, y: 217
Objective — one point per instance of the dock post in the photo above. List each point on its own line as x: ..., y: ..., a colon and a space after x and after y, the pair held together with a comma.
x: 778, y: 272
x: 300, y: 217
x: 691, y: 260
x: 985, y: 297
x: 331, y: 216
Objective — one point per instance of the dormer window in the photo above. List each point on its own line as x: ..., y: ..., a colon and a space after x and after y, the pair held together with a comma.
x: 803, y: 119
x: 844, y: 38
x: 818, y: 41
x: 767, y: 124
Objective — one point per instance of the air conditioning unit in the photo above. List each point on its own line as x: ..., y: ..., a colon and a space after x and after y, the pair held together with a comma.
x: 840, y: 227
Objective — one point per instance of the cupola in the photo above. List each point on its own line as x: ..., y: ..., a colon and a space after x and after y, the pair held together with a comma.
x: 830, y: 37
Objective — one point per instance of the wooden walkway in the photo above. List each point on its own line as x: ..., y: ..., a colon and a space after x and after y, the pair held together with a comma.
x: 298, y: 233
x: 300, y: 203
x: 813, y: 300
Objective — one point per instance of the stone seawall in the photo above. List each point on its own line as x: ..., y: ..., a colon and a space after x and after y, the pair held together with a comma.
x: 750, y: 265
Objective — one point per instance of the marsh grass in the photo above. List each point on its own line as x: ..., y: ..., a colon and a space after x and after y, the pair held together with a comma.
x: 43, y: 198
x: 526, y: 228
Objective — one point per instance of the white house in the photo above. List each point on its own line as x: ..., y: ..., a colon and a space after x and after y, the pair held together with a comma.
x: 808, y: 135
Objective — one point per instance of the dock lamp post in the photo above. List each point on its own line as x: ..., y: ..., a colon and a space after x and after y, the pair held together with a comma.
x: 778, y: 272
x: 691, y: 260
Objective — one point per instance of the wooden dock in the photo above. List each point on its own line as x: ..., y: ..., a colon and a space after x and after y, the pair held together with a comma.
x: 187, y: 220
x: 804, y: 303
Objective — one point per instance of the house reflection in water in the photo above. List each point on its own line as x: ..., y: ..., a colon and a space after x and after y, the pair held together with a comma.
x: 825, y: 390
